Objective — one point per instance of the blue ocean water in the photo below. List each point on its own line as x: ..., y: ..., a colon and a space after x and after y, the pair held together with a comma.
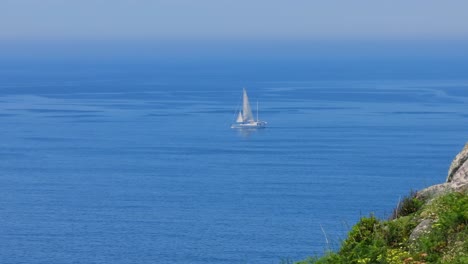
x: 136, y: 163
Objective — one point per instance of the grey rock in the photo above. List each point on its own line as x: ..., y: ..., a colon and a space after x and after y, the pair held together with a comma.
x: 434, y: 191
x: 457, y: 178
x: 424, y: 227
x: 458, y: 165
x: 460, y: 178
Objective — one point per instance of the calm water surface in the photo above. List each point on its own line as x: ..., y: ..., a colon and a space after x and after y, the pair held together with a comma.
x: 100, y: 165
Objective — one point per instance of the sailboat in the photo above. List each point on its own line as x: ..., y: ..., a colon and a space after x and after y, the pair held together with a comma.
x: 245, y: 117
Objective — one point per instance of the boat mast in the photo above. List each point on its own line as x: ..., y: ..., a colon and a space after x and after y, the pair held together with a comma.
x: 257, y: 111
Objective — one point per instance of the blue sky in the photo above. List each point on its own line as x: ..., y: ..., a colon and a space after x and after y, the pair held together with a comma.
x: 227, y: 19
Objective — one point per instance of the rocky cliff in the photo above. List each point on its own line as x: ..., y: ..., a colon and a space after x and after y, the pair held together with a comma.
x: 457, y: 178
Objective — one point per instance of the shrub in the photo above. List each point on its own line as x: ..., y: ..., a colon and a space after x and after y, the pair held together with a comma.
x: 365, y: 242
x: 409, y: 205
x: 396, y: 232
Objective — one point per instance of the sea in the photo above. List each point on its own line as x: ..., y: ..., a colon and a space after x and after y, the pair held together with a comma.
x: 135, y: 161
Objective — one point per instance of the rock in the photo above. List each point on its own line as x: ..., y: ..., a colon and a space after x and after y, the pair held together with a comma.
x: 457, y: 178
x: 423, y: 228
x: 434, y: 191
x: 457, y: 165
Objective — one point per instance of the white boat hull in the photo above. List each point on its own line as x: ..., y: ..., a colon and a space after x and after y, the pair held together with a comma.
x: 252, y: 125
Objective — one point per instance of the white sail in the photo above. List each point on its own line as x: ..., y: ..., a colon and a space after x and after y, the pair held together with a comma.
x: 239, y: 118
x: 247, y: 115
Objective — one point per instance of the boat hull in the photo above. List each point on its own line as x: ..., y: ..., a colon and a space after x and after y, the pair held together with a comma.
x: 250, y: 125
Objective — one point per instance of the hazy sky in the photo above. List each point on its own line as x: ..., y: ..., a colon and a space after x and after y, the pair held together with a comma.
x: 234, y: 19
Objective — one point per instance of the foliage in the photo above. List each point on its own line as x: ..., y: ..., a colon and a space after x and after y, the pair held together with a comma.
x: 376, y: 241
x: 364, y: 243
x: 409, y: 205
x: 449, y: 231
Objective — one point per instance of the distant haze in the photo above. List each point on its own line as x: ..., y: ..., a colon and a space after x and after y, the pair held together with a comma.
x: 272, y: 26
x: 233, y: 19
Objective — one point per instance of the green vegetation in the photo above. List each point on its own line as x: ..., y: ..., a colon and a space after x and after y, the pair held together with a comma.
x: 409, y: 205
x: 388, y: 241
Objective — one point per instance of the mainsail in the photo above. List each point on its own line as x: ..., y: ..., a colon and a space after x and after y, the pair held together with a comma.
x: 247, y: 115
